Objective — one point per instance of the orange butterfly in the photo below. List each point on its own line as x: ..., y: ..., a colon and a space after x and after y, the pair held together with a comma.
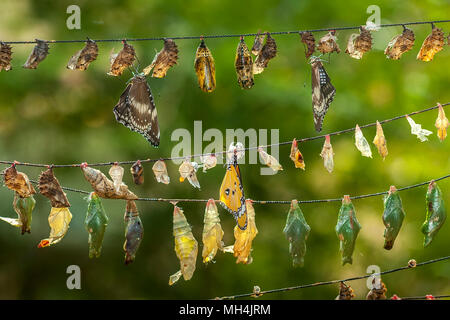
x: 232, y: 194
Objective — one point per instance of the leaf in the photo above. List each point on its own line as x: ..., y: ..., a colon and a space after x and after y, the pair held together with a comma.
x: 134, y: 232
x: 441, y: 123
x: 116, y: 174
x: 296, y: 156
x: 436, y: 213
x: 269, y: 160
x: 361, y: 143
x: 160, y: 171
x: 347, y: 229
x: 95, y: 223
x: 380, y: 141
x: 296, y: 231
x: 393, y: 216
x: 212, y: 232
x: 59, y: 220
x: 327, y: 154
x: 417, y: 130
x: 186, y: 247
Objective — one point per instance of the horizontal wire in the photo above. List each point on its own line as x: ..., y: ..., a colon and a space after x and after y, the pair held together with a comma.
x: 100, y: 164
x: 425, y: 297
x: 323, y: 283
x: 232, y: 35
x: 268, y: 201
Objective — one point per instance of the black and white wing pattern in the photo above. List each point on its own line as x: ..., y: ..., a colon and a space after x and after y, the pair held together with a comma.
x: 136, y: 110
x: 322, y: 93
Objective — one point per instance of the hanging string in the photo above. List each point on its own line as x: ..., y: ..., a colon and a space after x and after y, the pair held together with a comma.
x: 324, y: 283
x: 268, y: 201
x: 110, y: 163
x: 426, y: 297
x: 231, y: 35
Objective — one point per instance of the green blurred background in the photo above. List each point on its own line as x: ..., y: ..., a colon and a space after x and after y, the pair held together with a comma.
x: 55, y: 115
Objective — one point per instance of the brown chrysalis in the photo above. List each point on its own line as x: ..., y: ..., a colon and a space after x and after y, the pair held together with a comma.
x: 18, y: 181
x: 258, y: 43
x: 5, y: 57
x: 205, y: 68
x: 49, y: 187
x: 267, y: 53
x: 310, y: 42
x: 137, y: 170
x: 104, y: 187
x: 345, y: 292
x: 377, y: 293
x: 244, y: 65
x: 358, y: 44
x: 39, y: 53
x: 400, y: 44
x: 328, y: 44
x: 122, y: 60
x: 431, y: 45
x: 84, y: 57
x: 163, y: 60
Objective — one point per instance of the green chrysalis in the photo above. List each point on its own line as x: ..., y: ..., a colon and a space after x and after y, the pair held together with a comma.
x: 95, y: 223
x: 393, y: 216
x: 134, y: 231
x: 296, y: 231
x: 347, y: 229
x: 435, y: 213
x: 24, y: 209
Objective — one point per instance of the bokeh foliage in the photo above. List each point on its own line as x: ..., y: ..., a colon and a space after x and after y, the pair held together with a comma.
x: 54, y: 115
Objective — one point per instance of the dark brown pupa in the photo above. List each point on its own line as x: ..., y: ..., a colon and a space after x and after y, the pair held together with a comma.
x: 137, y: 171
x: 49, y: 187
x: 358, y: 44
x: 328, y: 44
x: 310, y: 42
x: 84, y: 57
x: 400, y: 44
x: 244, y: 65
x: 5, y: 57
x: 164, y: 60
x: 122, y: 60
x: 267, y: 53
x: 39, y: 53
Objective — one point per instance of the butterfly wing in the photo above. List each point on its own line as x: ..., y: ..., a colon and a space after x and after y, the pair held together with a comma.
x: 322, y: 93
x: 232, y: 195
x: 136, y: 110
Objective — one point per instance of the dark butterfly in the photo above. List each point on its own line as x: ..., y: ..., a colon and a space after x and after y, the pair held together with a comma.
x: 136, y: 109
x: 322, y: 92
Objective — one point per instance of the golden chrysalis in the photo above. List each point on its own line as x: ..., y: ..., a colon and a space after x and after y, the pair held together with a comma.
x: 205, y: 68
